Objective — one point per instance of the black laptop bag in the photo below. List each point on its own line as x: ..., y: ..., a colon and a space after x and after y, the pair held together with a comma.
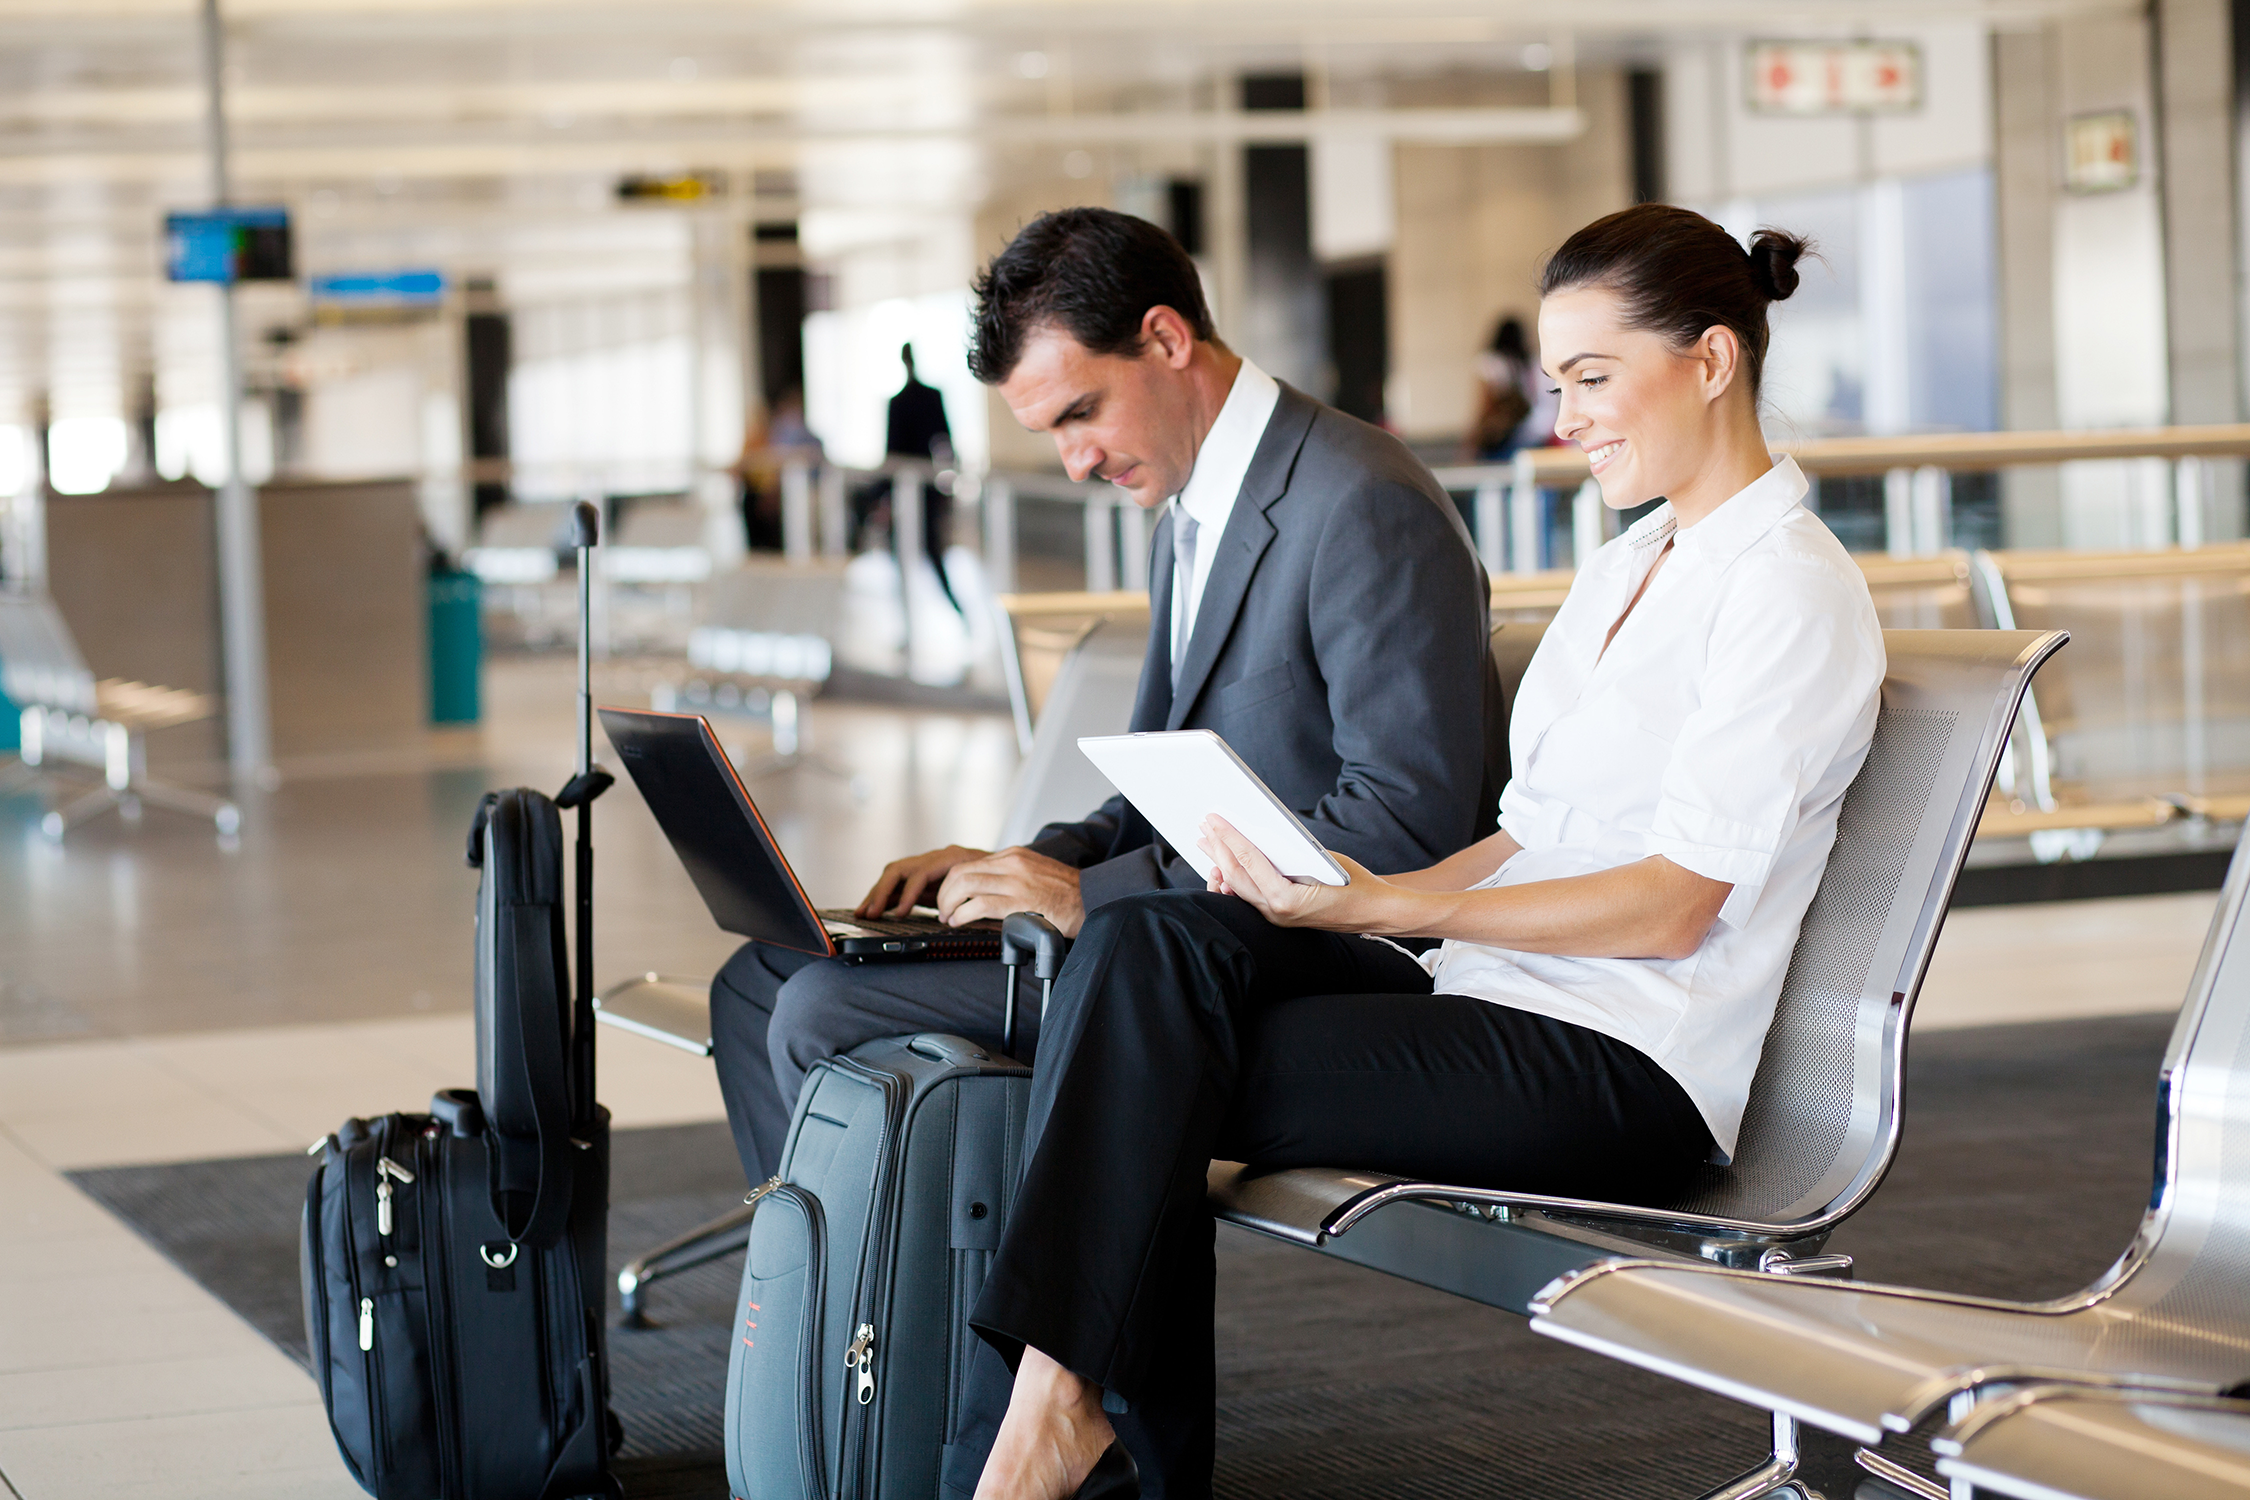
x: 453, y: 1262
x: 868, y: 1249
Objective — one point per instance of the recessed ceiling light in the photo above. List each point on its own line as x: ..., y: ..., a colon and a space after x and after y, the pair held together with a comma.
x: 1078, y: 164
x: 1538, y: 57
x: 683, y: 69
x: 1031, y: 64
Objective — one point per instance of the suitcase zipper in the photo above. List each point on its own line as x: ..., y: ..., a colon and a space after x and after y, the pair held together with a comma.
x: 856, y: 1454
x: 861, y: 1357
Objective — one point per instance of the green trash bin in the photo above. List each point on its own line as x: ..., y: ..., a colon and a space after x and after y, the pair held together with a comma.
x: 456, y: 647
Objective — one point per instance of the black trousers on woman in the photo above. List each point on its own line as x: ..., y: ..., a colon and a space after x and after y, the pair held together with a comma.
x: 1185, y: 1028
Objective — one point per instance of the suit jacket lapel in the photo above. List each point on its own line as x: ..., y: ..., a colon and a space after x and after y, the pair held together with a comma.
x: 1249, y: 532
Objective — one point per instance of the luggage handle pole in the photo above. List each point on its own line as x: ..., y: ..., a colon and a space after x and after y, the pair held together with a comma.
x: 585, y: 533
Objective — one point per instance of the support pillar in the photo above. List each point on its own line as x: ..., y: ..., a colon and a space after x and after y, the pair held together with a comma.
x: 242, y: 610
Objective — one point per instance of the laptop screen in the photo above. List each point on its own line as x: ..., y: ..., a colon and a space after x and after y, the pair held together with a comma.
x: 699, y: 802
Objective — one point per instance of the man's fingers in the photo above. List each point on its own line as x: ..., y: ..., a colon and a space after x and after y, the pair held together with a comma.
x: 878, y: 894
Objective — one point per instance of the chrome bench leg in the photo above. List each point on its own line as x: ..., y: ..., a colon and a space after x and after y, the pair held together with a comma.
x: 221, y: 812
x: 61, y: 820
x: 1778, y: 1474
x: 699, y: 1246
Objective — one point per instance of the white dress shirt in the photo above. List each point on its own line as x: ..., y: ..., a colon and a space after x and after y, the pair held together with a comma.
x: 1719, y: 730
x: 1208, y: 496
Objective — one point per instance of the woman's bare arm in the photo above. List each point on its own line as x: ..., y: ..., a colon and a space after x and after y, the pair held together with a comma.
x: 1457, y: 872
x: 1650, y: 909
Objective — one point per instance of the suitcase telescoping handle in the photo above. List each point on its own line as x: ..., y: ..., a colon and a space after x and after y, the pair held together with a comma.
x: 590, y: 782
x: 1027, y: 935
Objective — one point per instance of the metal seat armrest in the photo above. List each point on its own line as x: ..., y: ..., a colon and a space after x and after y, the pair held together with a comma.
x: 1313, y: 1204
x: 664, y: 1008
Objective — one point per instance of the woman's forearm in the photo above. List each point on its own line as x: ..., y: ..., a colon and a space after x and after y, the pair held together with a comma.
x: 1459, y: 871
x: 1650, y: 909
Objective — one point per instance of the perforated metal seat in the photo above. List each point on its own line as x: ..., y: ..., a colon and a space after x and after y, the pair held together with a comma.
x: 1823, y: 1117
x: 2068, y: 1443
x: 2170, y: 1315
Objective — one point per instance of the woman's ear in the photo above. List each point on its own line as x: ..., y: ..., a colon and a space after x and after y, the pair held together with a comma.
x: 1719, y: 353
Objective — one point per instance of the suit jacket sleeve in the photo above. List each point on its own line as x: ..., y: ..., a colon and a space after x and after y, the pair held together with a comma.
x: 1399, y: 629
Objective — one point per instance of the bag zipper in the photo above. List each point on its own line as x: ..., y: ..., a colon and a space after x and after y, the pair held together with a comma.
x: 371, y: 1359
x: 435, y: 1249
x: 856, y: 1449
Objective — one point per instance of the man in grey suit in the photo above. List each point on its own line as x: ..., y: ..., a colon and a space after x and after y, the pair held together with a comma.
x: 1314, y: 599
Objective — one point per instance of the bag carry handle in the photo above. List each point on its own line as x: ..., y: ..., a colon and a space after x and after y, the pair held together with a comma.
x: 527, y: 988
x: 1026, y: 934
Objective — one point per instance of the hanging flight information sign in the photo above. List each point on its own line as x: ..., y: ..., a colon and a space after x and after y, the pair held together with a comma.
x: 1833, y: 78
x: 227, y: 245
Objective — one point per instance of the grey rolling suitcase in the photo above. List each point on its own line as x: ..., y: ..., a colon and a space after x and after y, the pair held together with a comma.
x: 852, y: 1342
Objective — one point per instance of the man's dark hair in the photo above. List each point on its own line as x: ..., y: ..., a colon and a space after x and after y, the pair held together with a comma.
x: 1093, y: 273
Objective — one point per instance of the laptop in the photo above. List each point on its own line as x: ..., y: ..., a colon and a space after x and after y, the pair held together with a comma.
x: 722, y: 839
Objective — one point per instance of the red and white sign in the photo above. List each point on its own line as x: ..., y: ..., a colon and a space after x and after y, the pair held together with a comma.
x: 1834, y: 78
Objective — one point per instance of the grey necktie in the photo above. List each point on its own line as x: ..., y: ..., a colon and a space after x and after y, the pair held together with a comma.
x: 1184, y: 528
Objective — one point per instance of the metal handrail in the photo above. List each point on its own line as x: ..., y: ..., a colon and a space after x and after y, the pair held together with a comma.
x: 1963, y: 452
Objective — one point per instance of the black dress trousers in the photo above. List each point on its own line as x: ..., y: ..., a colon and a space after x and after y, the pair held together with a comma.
x: 1186, y: 1028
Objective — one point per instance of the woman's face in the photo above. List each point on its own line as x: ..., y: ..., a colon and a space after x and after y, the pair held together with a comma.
x: 1643, y: 411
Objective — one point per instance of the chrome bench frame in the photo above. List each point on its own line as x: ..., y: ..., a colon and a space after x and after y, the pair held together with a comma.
x: 1824, y: 1114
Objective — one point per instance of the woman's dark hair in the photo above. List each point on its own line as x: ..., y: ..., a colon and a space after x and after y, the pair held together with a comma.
x: 1508, y: 339
x: 1092, y: 272
x: 1678, y: 273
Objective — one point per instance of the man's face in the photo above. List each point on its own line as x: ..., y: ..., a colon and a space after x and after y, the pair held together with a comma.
x: 1126, y: 418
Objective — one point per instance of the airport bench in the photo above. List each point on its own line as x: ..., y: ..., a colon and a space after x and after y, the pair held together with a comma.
x: 1871, y: 1361
x: 1824, y: 1113
x: 70, y: 718
x: 2048, y: 1440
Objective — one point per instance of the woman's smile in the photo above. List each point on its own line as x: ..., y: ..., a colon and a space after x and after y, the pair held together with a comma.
x: 1600, y: 457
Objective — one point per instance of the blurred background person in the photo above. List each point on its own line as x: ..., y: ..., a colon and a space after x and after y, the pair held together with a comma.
x: 771, y: 441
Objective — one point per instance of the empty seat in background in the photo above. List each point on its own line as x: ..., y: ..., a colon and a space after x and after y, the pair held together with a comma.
x: 70, y: 718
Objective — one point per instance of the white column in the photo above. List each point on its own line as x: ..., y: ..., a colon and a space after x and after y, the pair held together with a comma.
x: 999, y: 504
x: 835, y: 521
x: 1523, y: 519
x: 1898, y: 512
x: 797, y: 511
x: 1132, y: 545
x: 242, y: 609
x: 1101, y: 545
x: 2191, y: 494
x: 1590, y: 522
x: 1492, y: 526
x: 1932, y: 510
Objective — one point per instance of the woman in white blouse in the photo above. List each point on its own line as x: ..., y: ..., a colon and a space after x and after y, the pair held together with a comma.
x: 1610, y: 960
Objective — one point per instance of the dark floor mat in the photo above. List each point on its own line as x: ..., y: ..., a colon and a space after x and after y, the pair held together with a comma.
x: 2023, y: 1173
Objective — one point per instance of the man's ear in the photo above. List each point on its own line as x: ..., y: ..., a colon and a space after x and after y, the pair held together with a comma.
x: 1165, y: 331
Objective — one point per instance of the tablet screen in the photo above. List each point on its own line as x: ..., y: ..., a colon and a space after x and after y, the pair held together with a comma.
x: 1175, y: 778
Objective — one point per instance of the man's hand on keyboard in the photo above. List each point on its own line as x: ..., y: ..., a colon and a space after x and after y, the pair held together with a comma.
x: 904, y: 882
x: 1011, y: 881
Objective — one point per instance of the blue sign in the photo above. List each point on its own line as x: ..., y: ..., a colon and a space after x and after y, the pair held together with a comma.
x: 388, y: 287
x: 228, y: 245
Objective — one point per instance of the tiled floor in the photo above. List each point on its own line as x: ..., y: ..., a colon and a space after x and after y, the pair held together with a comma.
x: 163, y: 999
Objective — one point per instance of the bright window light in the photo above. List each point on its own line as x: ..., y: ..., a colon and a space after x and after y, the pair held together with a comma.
x: 85, y: 453
x: 15, y: 459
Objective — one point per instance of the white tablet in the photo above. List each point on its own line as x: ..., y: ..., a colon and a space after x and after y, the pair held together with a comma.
x: 1177, y: 777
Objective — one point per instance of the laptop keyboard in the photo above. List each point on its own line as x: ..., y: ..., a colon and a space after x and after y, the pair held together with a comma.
x: 916, y: 926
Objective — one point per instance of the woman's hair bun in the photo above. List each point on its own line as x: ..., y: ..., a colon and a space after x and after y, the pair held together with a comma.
x: 1774, y: 254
